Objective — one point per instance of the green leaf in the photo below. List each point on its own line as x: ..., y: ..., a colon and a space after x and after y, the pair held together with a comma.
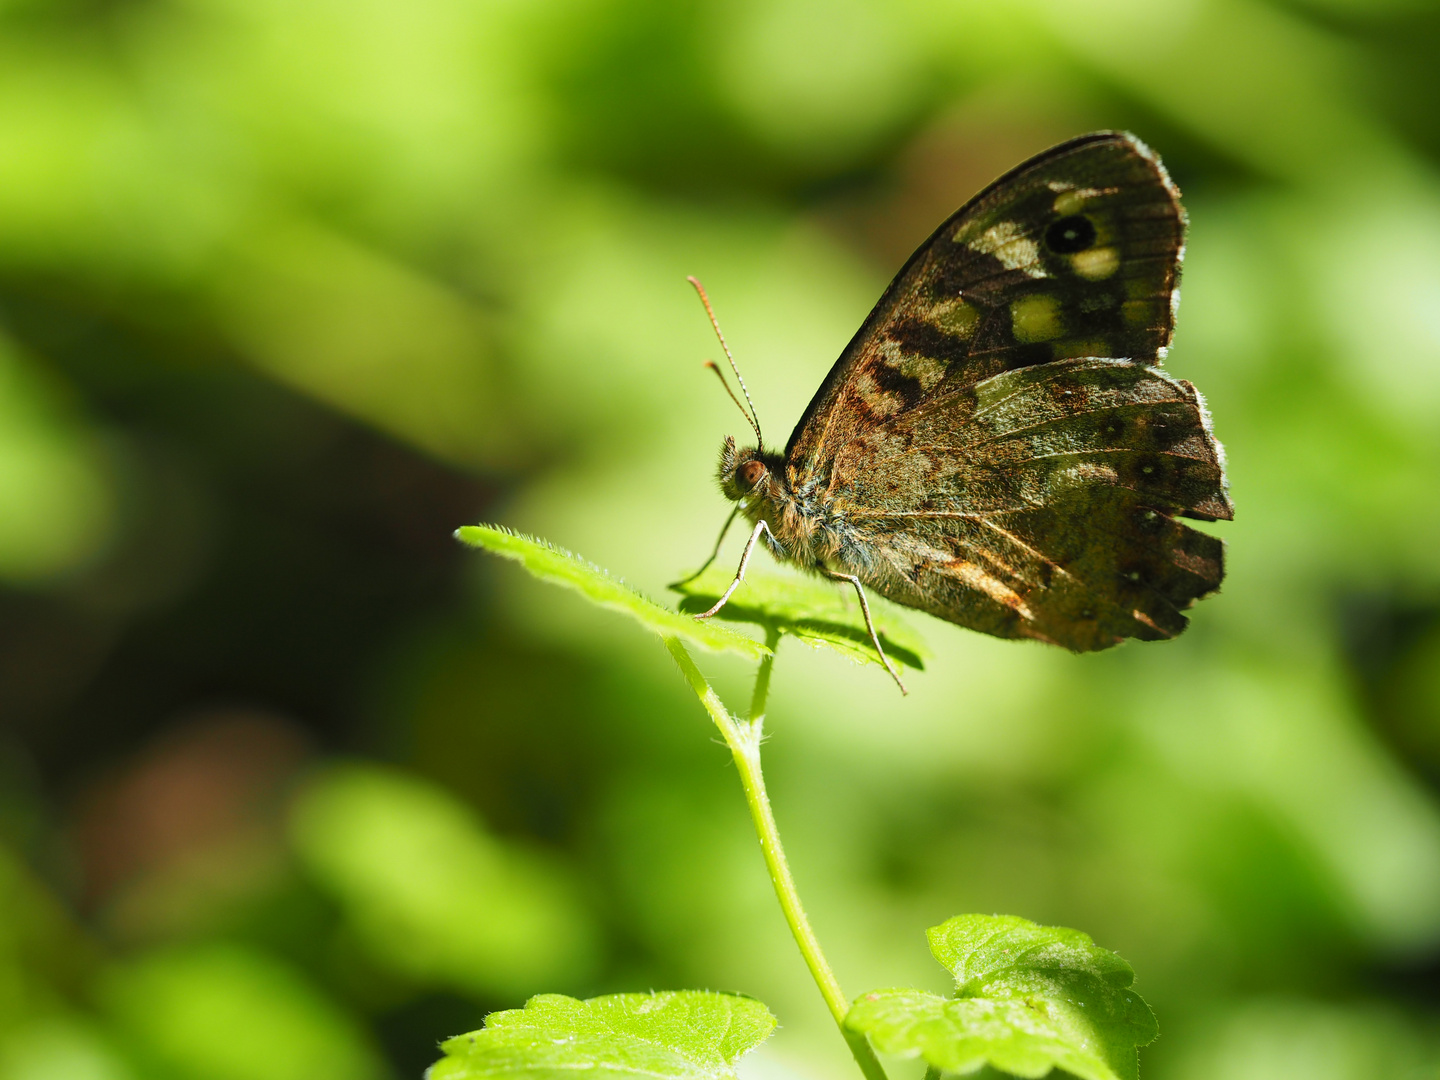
x: 427, y: 891
x: 232, y: 1012
x: 561, y: 567
x: 671, y: 1035
x: 1029, y: 999
x: 819, y: 613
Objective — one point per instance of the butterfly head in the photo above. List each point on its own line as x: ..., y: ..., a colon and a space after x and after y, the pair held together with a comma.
x: 746, y: 472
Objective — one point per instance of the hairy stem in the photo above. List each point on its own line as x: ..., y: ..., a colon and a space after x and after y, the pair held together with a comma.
x: 744, y: 738
x: 761, y: 692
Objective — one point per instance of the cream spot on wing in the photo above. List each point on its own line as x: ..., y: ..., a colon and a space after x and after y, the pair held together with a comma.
x: 881, y: 403
x: 1071, y: 199
x: 992, y: 587
x: 1096, y: 264
x: 1036, y: 318
x: 955, y: 317
x: 1138, y: 312
x: 1069, y: 203
x: 1089, y: 473
x: 928, y: 370
x: 1140, y: 617
x: 1008, y: 243
x: 1067, y: 350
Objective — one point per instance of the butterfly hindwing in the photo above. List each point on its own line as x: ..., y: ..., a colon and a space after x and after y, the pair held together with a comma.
x: 1040, y: 503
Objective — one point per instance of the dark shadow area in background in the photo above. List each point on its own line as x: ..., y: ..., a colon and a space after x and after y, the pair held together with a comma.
x: 268, y: 549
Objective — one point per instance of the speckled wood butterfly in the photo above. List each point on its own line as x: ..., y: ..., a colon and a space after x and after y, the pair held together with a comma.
x: 997, y: 445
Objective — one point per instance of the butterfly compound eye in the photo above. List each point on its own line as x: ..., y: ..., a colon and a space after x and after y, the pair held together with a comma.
x: 752, y: 472
x: 1070, y: 234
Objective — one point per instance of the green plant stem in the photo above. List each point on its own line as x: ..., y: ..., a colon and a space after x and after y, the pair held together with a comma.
x: 761, y: 692
x: 744, y: 738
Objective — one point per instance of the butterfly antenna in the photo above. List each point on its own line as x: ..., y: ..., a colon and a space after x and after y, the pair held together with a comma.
x: 751, y: 415
x: 721, y: 376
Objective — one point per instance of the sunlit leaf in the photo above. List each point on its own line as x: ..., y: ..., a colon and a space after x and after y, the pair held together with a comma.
x: 55, y: 503
x: 671, y: 1035
x: 1029, y: 999
x: 561, y: 567
x: 227, y: 1012
x: 428, y: 892
x: 819, y: 613
x: 62, y: 1045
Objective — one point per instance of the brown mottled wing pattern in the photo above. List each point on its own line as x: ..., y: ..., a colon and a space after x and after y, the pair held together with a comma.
x: 998, y: 439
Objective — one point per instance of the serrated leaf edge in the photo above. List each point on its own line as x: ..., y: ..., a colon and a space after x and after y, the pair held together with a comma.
x: 519, y: 1014
x: 755, y: 649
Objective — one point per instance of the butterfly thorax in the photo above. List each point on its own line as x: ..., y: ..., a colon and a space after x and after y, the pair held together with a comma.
x: 805, y: 527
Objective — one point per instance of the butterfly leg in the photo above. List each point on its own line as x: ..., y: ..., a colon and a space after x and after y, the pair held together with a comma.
x: 760, y: 527
x: 713, y: 555
x: 835, y: 575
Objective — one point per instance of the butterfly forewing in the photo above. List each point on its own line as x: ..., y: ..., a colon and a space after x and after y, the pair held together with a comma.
x: 1075, y: 253
x: 997, y: 441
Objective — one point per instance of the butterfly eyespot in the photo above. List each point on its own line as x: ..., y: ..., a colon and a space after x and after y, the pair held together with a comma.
x: 752, y: 472
x: 1070, y: 234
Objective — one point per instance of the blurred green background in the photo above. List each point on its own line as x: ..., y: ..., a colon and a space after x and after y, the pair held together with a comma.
x: 293, y: 787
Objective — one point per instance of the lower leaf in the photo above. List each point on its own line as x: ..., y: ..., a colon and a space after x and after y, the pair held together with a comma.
x: 961, y: 1035
x: 1029, y: 999
x: 670, y: 1035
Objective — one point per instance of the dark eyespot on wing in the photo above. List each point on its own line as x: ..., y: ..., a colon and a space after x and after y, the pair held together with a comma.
x: 1070, y: 234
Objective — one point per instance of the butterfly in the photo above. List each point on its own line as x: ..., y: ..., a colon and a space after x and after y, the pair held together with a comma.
x: 998, y: 445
